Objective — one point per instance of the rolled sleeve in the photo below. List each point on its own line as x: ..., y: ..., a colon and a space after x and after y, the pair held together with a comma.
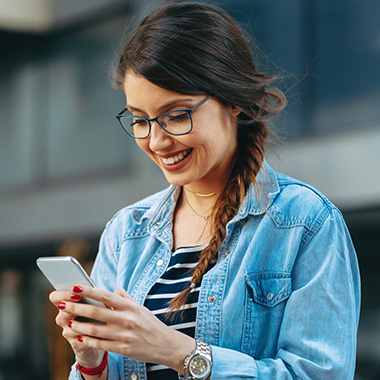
x: 230, y: 364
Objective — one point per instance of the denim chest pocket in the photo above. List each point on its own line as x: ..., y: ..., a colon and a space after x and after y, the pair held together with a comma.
x: 269, y: 289
x: 265, y: 301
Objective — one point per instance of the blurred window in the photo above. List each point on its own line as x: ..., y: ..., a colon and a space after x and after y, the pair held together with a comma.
x: 329, y: 52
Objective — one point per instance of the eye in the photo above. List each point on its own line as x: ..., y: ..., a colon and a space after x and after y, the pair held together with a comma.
x: 178, y: 117
x: 139, y: 122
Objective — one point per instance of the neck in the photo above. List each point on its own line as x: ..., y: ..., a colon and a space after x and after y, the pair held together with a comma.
x: 203, y: 205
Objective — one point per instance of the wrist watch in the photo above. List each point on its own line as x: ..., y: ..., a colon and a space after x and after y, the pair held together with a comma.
x: 198, y: 364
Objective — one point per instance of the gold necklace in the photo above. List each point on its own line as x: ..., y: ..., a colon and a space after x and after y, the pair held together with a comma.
x: 204, y: 216
x: 202, y: 232
x: 202, y: 195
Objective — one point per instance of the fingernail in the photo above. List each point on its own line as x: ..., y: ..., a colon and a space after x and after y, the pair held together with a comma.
x: 77, y: 289
x: 61, y: 306
x: 75, y: 297
x: 80, y: 339
x: 69, y: 323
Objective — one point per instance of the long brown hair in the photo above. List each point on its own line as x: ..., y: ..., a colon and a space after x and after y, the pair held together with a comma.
x: 196, y: 48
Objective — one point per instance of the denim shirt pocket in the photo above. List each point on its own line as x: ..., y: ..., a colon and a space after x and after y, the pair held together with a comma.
x: 266, y: 294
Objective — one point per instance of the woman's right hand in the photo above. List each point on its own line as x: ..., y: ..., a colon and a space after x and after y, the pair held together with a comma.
x: 86, y: 356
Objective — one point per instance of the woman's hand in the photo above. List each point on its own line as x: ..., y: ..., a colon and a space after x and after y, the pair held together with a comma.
x: 88, y: 357
x: 129, y: 329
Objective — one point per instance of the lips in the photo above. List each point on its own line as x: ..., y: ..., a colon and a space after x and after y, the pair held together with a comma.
x: 172, y: 160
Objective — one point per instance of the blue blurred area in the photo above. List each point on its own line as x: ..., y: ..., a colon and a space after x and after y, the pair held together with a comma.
x: 66, y: 166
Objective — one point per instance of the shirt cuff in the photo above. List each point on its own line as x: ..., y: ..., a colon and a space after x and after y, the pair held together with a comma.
x: 231, y: 364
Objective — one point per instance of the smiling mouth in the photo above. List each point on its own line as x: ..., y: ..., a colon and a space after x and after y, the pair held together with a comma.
x: 177, y: 158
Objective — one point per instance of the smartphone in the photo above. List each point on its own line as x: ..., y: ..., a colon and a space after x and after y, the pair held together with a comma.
x: 63, y: 272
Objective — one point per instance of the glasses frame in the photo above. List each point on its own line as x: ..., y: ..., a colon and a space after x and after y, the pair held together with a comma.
x: 120, y: 115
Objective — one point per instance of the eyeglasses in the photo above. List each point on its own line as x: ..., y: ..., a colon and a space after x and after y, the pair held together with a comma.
x: 177, y: 122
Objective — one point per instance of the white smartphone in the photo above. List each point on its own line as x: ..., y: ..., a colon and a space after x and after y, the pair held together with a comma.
x: 63, y: 272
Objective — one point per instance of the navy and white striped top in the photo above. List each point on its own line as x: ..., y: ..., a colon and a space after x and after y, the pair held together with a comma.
x: 176, y: 278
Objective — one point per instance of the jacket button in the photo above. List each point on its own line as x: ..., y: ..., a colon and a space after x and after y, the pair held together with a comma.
x: 270, y: 296
x: 134, y: 376
x: 211, y: 298
x: 159, y: 263
x: 157, y: 225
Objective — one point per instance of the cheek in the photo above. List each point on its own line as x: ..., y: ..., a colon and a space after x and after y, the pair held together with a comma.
x: 143, y: 145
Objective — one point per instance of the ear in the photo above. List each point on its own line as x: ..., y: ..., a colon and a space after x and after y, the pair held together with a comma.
x: 233, y: 110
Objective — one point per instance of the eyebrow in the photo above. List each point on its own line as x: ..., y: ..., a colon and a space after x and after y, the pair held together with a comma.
x: 166, y: 105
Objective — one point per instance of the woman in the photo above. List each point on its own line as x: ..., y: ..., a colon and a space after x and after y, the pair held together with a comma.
x: 257, y: 266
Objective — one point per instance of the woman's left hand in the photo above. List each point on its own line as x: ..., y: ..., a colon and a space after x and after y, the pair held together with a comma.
x: 129, y: 329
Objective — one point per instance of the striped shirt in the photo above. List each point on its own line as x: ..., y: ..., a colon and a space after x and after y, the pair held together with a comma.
x: 176, y: 278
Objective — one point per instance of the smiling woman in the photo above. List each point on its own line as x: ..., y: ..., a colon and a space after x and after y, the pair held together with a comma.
x: 202, y: 159
x: 234, y: 271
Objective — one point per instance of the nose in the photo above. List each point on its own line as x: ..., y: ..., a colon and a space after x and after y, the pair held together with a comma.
x: 159, y: 139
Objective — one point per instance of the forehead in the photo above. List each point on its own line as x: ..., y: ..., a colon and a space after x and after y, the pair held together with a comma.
x: 141, y: 92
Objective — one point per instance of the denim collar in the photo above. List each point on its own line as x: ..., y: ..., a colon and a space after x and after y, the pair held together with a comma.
x: 258, y: 200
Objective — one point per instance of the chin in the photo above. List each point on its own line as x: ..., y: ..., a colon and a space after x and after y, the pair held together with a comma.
x: 177, y: 181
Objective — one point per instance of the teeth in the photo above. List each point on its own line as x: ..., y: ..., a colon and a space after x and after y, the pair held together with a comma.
x: 174, y: 159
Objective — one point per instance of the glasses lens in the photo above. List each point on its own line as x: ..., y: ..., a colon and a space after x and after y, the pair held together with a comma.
x: 176, y: 122
x: 135, y: 126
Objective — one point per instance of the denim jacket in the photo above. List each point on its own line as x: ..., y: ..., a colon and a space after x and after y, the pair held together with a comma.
x: 283, y: 300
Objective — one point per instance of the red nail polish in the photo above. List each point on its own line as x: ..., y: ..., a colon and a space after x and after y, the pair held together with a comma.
x: 61, y: 306
x: 69, y: 323
x: 77, y: 289
x: 75, y: 297
x: 80, y: 339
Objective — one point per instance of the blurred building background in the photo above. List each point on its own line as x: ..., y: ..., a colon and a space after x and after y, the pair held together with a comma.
x: 66, y: 167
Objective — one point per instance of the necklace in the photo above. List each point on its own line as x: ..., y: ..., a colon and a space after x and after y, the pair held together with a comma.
x: 204, y: 216
x: 202, y: 195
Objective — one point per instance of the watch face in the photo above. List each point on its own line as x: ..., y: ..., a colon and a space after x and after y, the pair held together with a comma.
x: 199, y: 367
